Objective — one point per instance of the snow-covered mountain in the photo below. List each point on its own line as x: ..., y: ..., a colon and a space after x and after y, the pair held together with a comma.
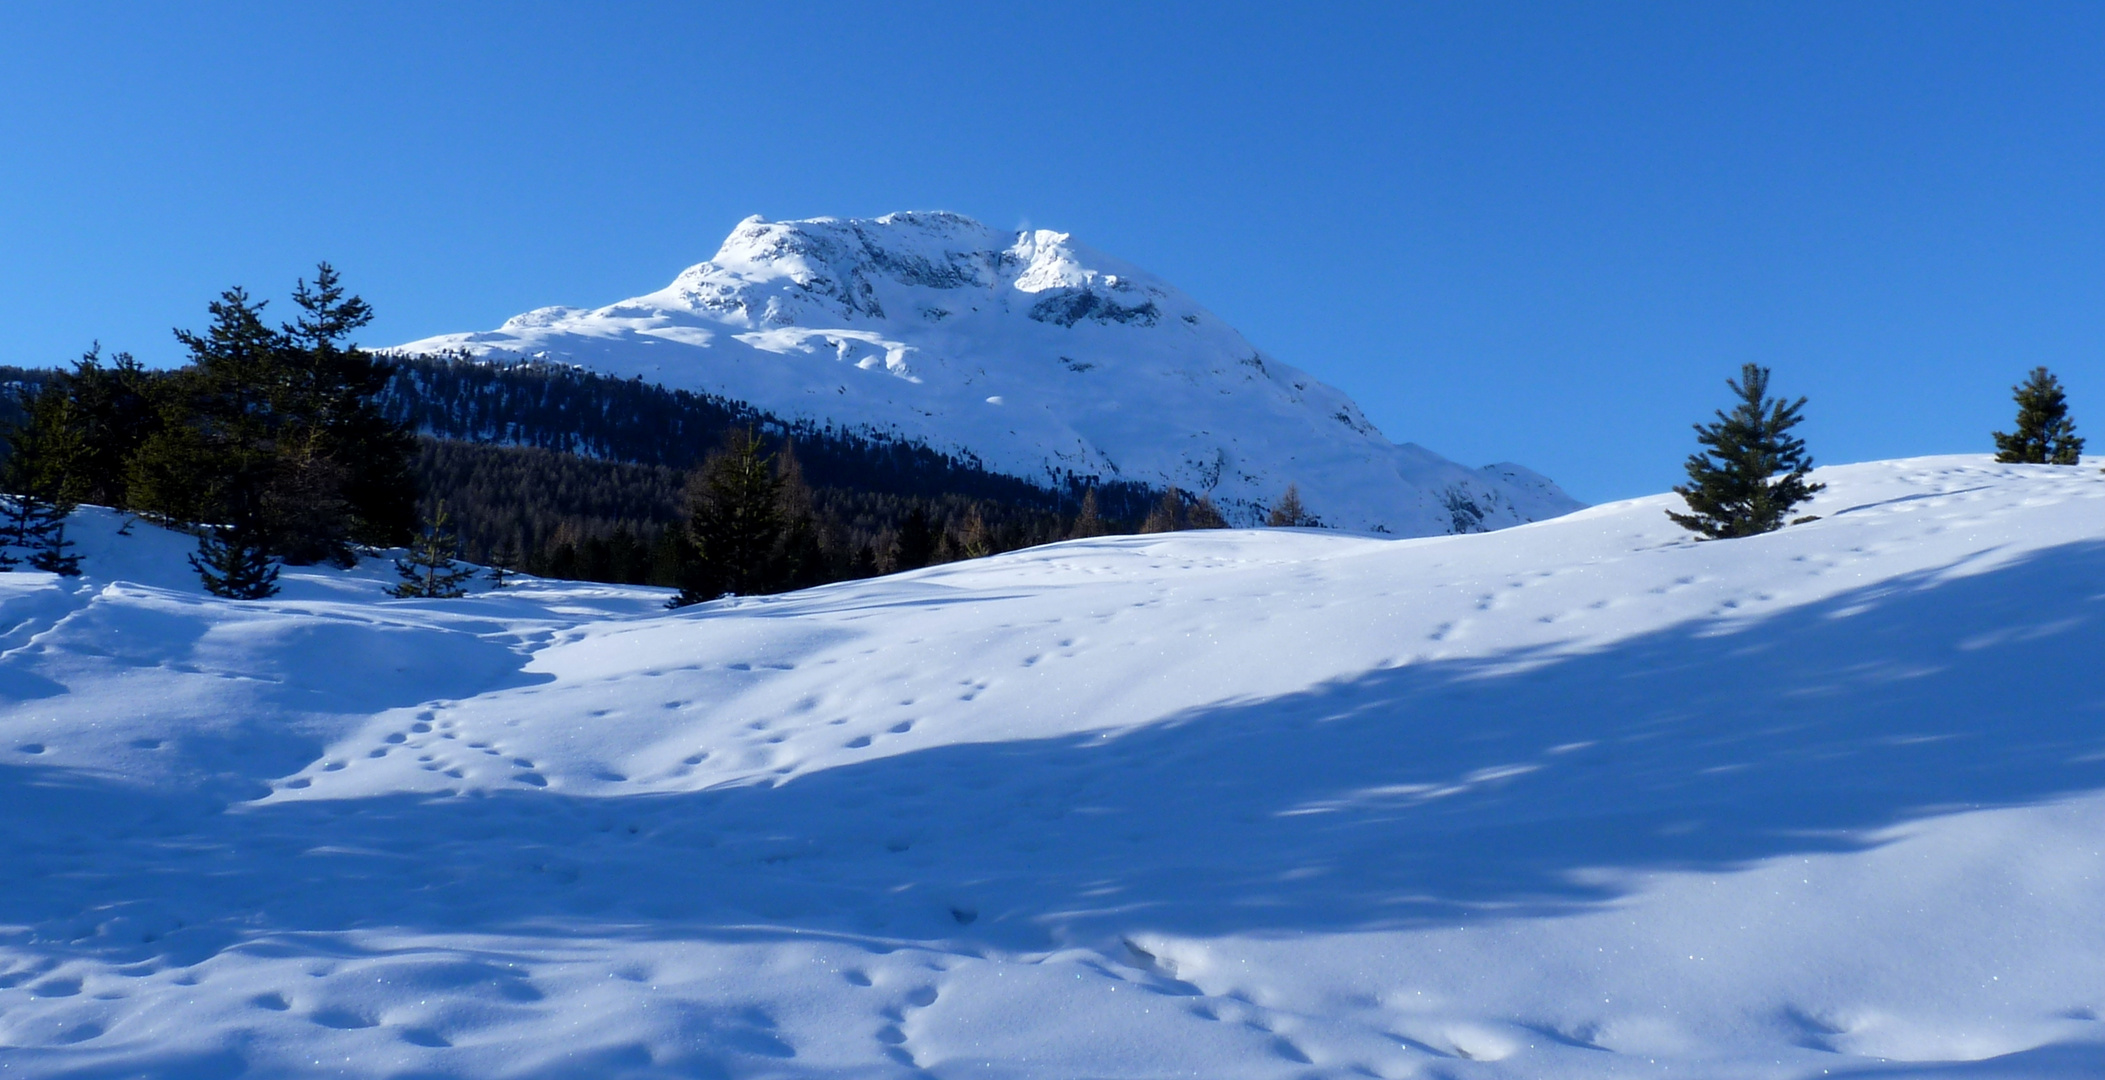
x: 1031, y: 352
x: 1581, y: 800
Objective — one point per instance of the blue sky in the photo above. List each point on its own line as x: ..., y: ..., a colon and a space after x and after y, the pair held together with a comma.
x: 1543, y: 233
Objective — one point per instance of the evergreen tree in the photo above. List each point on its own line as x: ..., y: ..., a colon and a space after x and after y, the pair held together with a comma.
x: 44, y: 475
x: 80, y: 427
x: 46, y: 448
x: 365, y: 492
x: 1088, y: 521
x: 1733, y: 489
x: 504, y: 564
x: 14, y: 529
x: 734, y: 520
x: 2045, y: 435
x: 430, y: 570
x: 916, y: 545
x: 277, y: 431
x: 116, y: 409
x: 44, y: 530
x: 1205, y: 515
x: 234, y: 563
x: 1288, y: 512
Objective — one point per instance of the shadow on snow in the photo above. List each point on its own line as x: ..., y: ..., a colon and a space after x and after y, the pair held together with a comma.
x: 1427, y: 794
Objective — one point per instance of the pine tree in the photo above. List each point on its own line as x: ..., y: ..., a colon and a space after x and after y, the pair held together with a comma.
x: 366, y: 492
x: 430, y: 570
x: 1733, y: 489
x: 1205, y: 515
x: 1288, y: 513
x: 234, y: 563
x: 14, y: 528
x: 2045, y: 435
x: 44, y: 475
x: 916, y: 545
x: 734, y: 520
x: 504, y: 564
x: 1087, y: 521
x: 276, y: 430
x: 44, y: 530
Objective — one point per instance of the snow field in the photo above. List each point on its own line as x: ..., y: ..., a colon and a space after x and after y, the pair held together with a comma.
x: 1575, y: 799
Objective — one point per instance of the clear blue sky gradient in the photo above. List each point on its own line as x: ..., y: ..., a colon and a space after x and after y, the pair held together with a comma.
x: 1543, y: 233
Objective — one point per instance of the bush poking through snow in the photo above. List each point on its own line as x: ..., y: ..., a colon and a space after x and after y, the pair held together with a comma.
x: 1732, y: 489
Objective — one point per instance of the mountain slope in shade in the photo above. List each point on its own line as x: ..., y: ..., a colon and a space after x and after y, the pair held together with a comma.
x: 1034, y: 354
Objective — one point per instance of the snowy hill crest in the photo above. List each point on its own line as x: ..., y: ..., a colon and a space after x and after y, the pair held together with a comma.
x: 1028, y: 351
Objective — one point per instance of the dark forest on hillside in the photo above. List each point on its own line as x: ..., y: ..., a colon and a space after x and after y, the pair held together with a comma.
x: 578, y: 474
x: 564, y: 472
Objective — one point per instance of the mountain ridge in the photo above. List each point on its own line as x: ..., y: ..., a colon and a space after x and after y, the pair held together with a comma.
x: 1034, y: 353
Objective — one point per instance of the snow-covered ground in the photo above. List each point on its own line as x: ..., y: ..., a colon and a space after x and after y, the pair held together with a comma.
x: 1029, y: 351
x: 1576, y: 799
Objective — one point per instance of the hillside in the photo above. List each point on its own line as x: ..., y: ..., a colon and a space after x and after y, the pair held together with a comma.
x: 1579, y: 799
x: 1028, y: 353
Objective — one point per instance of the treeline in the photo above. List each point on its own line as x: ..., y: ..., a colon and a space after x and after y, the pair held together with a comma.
x: 564, y: 472
x: 562, y: 515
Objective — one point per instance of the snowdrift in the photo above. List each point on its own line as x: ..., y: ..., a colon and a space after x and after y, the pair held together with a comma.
x: 1576, y: 799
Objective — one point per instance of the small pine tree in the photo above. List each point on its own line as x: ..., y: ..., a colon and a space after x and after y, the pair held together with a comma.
x: 431, y: 570
x: 1733, y: 489
x: 1205, y: 515
x: 45, y: 532
x: 1288, y: 513
x: 2045, y: 435
x: 14, y: 527
x: 504, y: 564
x: 233, y: 563
x: 1088, y: 521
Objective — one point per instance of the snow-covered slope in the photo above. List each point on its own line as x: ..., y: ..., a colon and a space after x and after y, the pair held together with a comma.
x: 1576, y: 799
x: 1033, y: 353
